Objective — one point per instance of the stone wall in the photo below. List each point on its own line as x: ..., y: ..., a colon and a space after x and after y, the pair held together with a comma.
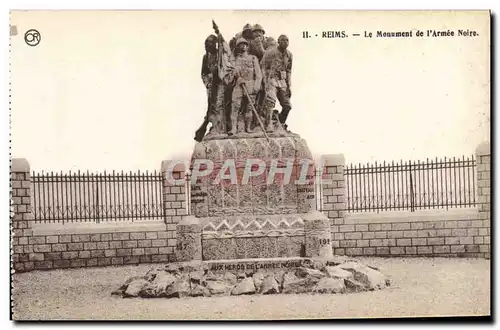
x: 47, y: 246
x: 461, y: 232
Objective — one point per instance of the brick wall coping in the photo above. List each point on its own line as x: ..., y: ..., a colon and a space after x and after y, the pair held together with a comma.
x: 40, y: 229
x: 19, y: 165
x: 334, y: 160
x: 483, y: 149
x: 406, y: 216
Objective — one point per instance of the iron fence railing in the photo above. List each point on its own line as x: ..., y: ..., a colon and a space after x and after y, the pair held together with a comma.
x: 435, y: 183
x: 96, y: 197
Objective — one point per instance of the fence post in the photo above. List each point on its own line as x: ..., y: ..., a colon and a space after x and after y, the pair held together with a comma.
x: 21, y: 215
x: 483, y: 198
x: 174, y: 197
x: 334, y: 191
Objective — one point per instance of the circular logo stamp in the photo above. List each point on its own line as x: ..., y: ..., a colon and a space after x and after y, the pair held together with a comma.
x: 32, y: 37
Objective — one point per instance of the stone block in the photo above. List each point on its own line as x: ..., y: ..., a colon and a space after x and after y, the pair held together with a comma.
x: 130, y: 244
x: 41, y: 248
x: 80, y: 238
x: 417, y: 225
x: 115, y: 244
x: 395, y: 234
x: 361, y: 227
x: 411, y: 250
x: 369, y: 251
x: 152, y: 235
x: 457, y: 248
x: 353, y: 235
x: 106, y: 237
x: 401, y: 226
x: 348, y: 243
x: 354, y: 251
x: 70, y: 255
x: 410, y: 233
x: 75, y: 246
x: 380, y: 234
x: 52, y: 239
x: 403, y: 242
x: 144, y: 243
x: 472, y: 248
x: 418, y: 241
x: 466, y: 240
x: 424, y: 250
x: 435, y: 240
x: 90, y: 246
x: 397, y: 250
x: 117, y: 261
x: 95, y: 237
x: 441, y: 249
x: 346, y: 228
x: 104, y: 261
x: 61, y: 263
x: 123, y: 252
x: 159, y: 242
x: 383, y: 251
x: 36, y: 240
x: 103, y: 245
x: 374, y: 227
x: 121, y: 236
x: 97, y: 253
x: 93, y: 262
x: 363, y: 243
x: 152, y: 250
x: 64, y: 238
x: 84, y: 254
x: 376, y: 242
x: 110, y: 253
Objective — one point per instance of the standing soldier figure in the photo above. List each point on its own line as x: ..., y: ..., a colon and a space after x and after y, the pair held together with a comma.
x: 210, y: 78
x: 277, y: 70
x: 247, y: 72
x: 245, y: 33
x: 259, y: 42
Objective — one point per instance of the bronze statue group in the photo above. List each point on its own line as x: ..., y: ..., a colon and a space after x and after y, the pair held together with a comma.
x: 244, y: 79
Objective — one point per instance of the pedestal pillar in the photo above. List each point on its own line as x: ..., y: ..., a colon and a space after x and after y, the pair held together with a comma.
x: 318, y: 235
x: 188, y: 239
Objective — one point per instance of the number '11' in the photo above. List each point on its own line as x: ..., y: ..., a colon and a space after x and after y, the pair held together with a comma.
x: 305, y: 34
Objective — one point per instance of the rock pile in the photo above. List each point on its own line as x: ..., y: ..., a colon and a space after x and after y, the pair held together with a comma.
x: 178, y: 280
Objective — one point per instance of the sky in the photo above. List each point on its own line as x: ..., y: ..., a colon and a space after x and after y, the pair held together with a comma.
x: 122, y: 90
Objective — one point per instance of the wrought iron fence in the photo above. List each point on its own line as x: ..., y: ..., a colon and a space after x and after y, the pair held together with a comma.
x: 436, y: 183
x: 90, y: 197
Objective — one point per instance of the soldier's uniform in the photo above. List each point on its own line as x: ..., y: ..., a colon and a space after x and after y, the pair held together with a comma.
x: 277, y: 70
x: 248, y: 68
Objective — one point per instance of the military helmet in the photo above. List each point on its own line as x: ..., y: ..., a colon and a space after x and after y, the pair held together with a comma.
x: 247, y: 26
x: 241, y: 40
x: 258, y: 27
x: 271, y: 42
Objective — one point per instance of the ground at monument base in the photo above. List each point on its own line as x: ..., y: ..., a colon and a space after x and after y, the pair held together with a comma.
x: 419, y: 287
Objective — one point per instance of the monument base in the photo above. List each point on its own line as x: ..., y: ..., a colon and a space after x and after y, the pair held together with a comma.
x: 255, y: 276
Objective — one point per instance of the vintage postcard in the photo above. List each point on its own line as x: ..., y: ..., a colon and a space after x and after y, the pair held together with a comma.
x: 250, y: 165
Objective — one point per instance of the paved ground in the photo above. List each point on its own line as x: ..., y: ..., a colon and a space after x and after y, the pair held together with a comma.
x: 421, y: 287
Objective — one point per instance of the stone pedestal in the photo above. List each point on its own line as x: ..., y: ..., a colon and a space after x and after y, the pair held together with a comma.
x: 317, y: 235
x: 250, y: 194
x: 188, y: 239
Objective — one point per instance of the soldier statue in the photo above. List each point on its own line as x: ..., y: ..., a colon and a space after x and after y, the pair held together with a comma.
x: 277, y: 69
x: 246, y: 33
x: 246, y: 82
x: 210, y: 78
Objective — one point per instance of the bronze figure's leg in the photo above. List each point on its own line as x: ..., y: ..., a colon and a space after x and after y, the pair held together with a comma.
x: 235, y: 109
x: 286, y: 106
x: 269, y: 104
